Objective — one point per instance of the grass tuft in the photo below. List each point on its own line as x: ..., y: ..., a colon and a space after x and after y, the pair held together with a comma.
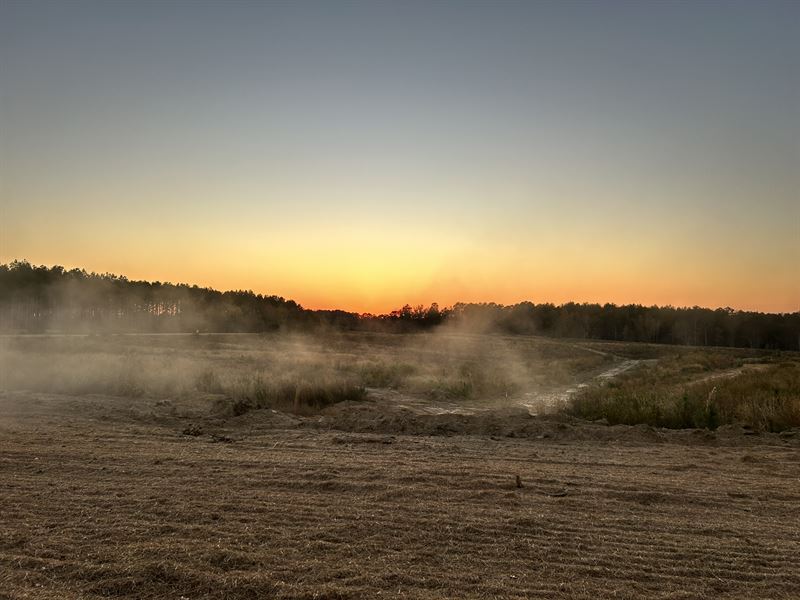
x: 765, y: 398
x: 298, y: 396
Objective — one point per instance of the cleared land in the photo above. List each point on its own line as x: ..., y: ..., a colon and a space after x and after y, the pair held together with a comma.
x: 164, y: 493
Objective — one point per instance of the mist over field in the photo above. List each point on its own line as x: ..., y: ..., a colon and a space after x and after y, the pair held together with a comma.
x: 444, y: 365
x: 342, y: 300
x: 238, y: 352
x: 201, y: 460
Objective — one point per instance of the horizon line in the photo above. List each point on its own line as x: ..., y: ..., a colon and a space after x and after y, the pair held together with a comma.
x: 389, y: 312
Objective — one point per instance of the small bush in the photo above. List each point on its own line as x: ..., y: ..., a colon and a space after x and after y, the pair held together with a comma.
x: 300, y: 396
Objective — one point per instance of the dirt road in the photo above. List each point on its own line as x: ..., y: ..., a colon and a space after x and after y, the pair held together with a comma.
x: 119, y: 502
x: 538, y: 402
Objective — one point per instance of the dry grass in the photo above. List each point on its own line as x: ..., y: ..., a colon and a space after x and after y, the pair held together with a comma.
x: 299, y: 396
x: 274, y: 370
x: 138, y: 468
x: 700, y: 389
x: 95, y: 508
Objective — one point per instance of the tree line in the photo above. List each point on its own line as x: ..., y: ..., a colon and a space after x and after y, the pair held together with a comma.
x: 37, y: 299
x: 48, y: 299
x: 693, y: 326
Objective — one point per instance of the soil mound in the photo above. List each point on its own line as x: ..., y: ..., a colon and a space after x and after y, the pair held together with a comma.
x: 372, y: 417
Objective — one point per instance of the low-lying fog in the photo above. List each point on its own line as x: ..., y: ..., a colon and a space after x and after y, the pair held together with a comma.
x: 446, y: 365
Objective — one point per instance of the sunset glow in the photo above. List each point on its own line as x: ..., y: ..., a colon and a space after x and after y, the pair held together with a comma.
x: 363, y: 156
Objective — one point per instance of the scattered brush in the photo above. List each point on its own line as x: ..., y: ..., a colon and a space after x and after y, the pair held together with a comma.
x: 299, y: 397
x: 764, y: 399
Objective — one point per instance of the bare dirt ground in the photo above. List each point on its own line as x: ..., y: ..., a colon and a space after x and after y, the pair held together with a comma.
x: 113, y: 497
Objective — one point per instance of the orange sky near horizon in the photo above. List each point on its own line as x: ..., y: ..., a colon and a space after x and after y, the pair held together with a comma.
x: 377, y: 287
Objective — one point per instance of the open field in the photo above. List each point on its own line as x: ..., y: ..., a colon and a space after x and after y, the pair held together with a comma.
x: 128, y: 471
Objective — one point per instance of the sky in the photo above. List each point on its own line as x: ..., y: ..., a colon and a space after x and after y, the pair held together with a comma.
x: 364, y: 155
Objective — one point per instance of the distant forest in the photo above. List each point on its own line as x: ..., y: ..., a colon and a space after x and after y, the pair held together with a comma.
x: 39, y: 299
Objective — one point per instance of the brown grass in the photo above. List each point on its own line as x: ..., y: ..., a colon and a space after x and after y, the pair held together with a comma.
x: 97, y: 504
x: 128, y: 470
x: 700, y: 389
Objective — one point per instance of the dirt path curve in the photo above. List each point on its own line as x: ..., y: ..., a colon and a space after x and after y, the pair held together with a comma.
x: 730, y: 373
x: 535, y: 402
x: 538, y: 403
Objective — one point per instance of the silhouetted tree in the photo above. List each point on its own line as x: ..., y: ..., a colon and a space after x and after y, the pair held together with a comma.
x: 39, y: 298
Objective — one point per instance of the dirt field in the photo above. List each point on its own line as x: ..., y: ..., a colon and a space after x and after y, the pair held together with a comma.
x: 113, y: 497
